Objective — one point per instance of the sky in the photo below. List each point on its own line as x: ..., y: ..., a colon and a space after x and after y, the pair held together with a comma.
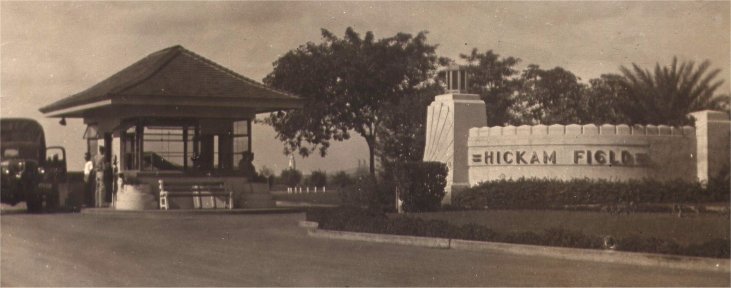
x: 51, y: 50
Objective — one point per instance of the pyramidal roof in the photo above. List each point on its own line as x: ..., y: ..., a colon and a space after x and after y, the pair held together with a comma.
x: 173, y: 72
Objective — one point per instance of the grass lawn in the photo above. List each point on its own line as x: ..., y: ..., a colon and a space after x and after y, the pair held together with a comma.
x: 687, y: 230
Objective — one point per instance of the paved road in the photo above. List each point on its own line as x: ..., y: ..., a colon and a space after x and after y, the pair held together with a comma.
x: 270, y: 250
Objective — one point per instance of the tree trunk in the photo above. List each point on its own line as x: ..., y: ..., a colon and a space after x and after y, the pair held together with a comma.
x: 370, y: 140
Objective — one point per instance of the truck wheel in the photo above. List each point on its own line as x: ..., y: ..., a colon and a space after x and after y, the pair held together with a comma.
x: 34, y: 203
x: 52, y: 200
x: 33, y: 198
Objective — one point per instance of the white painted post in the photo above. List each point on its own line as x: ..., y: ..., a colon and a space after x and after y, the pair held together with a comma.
x: 399, y: 203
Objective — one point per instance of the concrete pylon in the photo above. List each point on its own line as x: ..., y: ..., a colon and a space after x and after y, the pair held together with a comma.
x: 448, y: 121
x: 713, y: 135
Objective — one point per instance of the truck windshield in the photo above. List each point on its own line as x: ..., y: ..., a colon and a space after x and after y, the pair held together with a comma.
x: 22, y: 152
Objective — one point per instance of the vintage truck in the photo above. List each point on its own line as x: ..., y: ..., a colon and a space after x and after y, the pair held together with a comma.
x: 31, y: 172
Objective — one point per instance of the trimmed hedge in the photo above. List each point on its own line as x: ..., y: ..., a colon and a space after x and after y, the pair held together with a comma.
x: 358, y: 220
x: 557, y: 194
x: 421, y: 185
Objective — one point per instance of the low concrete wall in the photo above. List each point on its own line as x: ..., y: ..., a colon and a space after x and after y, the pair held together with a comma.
x: 567, y: 152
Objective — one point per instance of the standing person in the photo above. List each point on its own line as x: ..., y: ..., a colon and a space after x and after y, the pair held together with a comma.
x: 99, y: 167
x: 88, y: 181
x: 115, y: 173
x: 247, y: 167
x: 108, y: 182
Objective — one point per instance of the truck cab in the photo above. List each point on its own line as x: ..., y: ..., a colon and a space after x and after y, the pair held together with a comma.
x: 31, y: 172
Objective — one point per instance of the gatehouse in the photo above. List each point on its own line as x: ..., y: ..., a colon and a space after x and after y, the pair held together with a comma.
x: 175, y: 117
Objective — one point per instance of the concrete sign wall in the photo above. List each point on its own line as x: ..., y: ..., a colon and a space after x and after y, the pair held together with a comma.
x: 573, y: 151
x: 455, y: 136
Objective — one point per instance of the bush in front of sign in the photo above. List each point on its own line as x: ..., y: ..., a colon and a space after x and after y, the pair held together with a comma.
x: 719, y: 186
x: 421, y: 185
x: 612, y: 196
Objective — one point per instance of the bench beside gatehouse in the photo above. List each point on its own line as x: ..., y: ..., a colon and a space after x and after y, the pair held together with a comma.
x: 199, y: 189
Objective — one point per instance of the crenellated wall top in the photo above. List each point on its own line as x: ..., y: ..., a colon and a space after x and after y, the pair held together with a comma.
x: 588, y: 130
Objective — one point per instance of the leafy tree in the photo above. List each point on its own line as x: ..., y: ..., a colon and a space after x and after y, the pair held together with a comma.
x: 494, y: 79
x: 604, y: 97
x: 347, y: 82
x: 402, y: 132
x: 342, y: 179
x: 318, y: 178
x: 291, y: 177
x: 668, y: 94
x: 266, y: 171
x: 550, y: 97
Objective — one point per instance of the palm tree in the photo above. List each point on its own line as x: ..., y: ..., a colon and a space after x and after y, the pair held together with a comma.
x: 670, y: 93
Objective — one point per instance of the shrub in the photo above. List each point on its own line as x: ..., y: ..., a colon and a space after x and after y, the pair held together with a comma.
x: 318, y: 179
x: 716, y: 248
x: 421, y: 185
x: 258, y: 178
x: 362, y: 194
x: 719, y: 186
x: 556, y: 194
x: 567, y: 238
x: 291, y: 177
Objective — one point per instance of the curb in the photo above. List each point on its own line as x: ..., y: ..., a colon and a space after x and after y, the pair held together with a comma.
x: 308, y: 224
x: 429, y: 242
x: 111, y: 211
x: 293, y: 204
x: 603, y: 256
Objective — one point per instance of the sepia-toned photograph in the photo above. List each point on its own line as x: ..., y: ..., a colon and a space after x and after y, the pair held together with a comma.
x: 366, y: 144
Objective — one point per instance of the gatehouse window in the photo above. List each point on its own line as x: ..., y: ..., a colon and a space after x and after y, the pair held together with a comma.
x: 241, y: 139
x: 205, y: 145
x: 164, y: 148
